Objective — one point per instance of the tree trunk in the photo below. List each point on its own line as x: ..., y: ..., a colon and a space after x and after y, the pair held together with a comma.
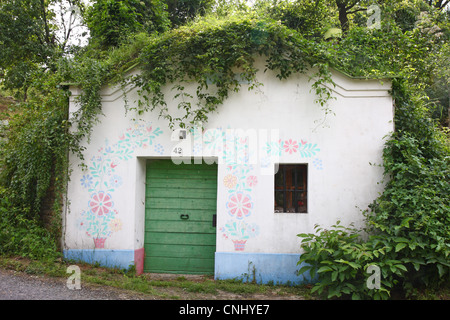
x: 343, y: 18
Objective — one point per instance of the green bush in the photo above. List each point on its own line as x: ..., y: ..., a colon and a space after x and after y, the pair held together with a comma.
x: 340, y: 260
x: 20, y: 236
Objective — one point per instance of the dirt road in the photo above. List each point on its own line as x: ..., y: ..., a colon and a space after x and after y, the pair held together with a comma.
x: 20, y: 286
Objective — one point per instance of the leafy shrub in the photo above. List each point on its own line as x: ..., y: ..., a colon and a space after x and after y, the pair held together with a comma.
x: 341, y: 260
x: 22, y: 236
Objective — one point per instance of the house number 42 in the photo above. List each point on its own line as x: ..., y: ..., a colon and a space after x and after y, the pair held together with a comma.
x: 178, y: 150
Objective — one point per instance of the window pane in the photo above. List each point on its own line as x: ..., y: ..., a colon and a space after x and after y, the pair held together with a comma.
x: 291, y: 189
x: 279, y: 201
x: 279, y: 179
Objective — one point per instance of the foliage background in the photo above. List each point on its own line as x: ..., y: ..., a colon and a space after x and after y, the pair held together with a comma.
x: 407, y: 232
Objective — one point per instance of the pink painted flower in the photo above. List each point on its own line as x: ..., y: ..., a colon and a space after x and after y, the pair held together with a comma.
x: 239, y: 205
x: 100, y: 203
x: 290, y: 146
x: 252, y: 181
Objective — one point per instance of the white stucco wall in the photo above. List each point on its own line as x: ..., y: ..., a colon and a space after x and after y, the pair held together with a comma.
x: 343, y: 176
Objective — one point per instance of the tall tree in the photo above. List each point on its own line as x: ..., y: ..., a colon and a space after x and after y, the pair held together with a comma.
x: 181, y: 11
x: 440, y: 4
x: 110, y: 21
x: 29, y: 40
x: 345, y: 8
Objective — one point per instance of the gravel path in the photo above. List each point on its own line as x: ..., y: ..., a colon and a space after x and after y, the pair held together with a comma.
x: 19, y: 286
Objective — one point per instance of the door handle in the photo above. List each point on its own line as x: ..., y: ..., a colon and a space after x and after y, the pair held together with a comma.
x: 184, y: 216
x: 214, y: 222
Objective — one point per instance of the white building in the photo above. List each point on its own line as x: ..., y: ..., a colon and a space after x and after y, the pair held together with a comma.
x: 273, y: 166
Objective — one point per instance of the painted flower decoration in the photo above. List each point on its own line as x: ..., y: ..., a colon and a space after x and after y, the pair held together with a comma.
x: 274, y: 148
x: 290, y: 146
x: 159, y: 148
x: 318, y: 164
x: 197, y: 148
x: 239, y: 205
x: 100, y: 203
x: 213, y: 140
x: 252, y: 230
x: 230, y: 181
x: 115, y: 181
x: 252, y: 181
x: 86, y: 181
x: 115, y: 225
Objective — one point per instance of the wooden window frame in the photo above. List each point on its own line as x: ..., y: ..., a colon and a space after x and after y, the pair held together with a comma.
x: 295, y: 196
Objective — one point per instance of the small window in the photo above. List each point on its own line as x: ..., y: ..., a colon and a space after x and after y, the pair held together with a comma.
x: 291, y: 188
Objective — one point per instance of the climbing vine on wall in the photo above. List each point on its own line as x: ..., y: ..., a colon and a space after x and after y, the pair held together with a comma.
x: 216, y: 57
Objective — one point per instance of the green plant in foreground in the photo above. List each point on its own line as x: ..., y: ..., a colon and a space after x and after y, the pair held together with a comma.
x: 340, y: 259
x: 23, y: 236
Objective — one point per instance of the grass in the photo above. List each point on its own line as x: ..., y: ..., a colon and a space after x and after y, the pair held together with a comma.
x: 177, y: 287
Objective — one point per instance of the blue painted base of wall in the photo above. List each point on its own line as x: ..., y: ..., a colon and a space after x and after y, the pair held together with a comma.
x: 275, y: 268
x: 121, y: 259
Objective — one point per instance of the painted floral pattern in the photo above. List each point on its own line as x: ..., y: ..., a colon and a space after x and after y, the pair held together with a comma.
x: 318, y: 164
x: 100, y: 203
x: 252, y: 181
x: 115, y: 225
x: 241, y: 182
x: 239, y: 205
x: 100, y: 219
x: 230, y: 181
x: 239, y: 232
x: 102, y: 181
x: 290, y: 146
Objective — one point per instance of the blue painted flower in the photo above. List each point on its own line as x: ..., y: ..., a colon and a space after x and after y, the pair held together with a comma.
x: 159, y: 148
x: 108, y: 149
x: 86, y: 181
x: 115, y: 181
x: 252, y: 230
x: 198, y: 148
x: 318, y: 164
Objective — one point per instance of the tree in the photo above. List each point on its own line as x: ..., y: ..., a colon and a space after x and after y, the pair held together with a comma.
x: 29, y: 40
x: 440, y: 4
x: 310, y: 17
x: 110, y: 21
x: 181, y: 11
x: 345, y: 8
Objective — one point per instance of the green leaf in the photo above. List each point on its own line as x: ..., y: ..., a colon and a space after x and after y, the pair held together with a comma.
x: 400, y: 246
x: 304, y: 269
x: 324, y: 269
x: 334, y: 276
x: 441, y: 270
x: 401, y: 266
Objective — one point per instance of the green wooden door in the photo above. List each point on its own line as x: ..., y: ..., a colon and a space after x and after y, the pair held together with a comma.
x: 180, y: 204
